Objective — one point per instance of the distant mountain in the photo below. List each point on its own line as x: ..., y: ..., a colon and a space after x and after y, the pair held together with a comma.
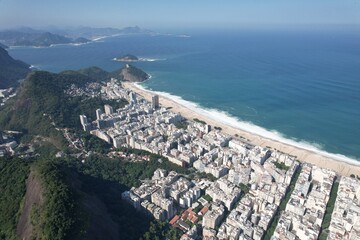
x: 42, y: 40
x: 81, y: 40
x: 29, y: 37
x: 136, y: 29
x: 26, y: 36
x: 11, y: 70
x: 93, y: 33
x: 88, y: 32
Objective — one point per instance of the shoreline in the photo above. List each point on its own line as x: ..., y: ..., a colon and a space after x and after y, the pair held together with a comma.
x: 343, y: 167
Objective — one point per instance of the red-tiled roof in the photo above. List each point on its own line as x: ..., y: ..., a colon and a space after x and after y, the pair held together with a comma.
x: 174, y: 219
x: 194, y: 219
x: 204, y: 210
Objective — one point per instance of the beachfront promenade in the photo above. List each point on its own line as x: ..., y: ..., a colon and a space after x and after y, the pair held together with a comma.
x: 260, y: 187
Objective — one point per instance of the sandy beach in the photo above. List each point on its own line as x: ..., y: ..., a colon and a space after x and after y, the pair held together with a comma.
x: 303, y: 155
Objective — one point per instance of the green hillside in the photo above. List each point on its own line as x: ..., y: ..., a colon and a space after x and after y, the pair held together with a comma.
x: 11, y: 70
x: 41, y: 104
x: 43, y: 197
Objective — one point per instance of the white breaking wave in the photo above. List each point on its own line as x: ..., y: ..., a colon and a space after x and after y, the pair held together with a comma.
x: 33, y: 67
x: 228, y: 119
x: 151, y: 59
x: 97, y: 39
x: 141, y: 60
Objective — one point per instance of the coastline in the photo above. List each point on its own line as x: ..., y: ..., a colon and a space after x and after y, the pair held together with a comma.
x: 340, y: 164
x: 97, y: 39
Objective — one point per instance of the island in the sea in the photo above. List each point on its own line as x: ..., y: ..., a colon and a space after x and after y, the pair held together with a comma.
x: 127, y: 58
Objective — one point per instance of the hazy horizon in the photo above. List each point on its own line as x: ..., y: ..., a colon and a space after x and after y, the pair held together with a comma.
x: 164, y: 15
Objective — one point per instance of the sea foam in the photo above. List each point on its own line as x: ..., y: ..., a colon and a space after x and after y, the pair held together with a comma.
x: 142, y: 60
x: 227, y: 119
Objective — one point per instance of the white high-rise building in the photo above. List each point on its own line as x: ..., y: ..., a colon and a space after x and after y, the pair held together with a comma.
x: 83, y: 120
x: 84, y: 123
x: 108, y: 109
x: 133, y: 97
x: 98, y: 114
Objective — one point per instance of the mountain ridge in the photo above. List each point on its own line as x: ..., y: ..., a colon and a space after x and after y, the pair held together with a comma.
x: 11, y: 70
x: 26, y: 36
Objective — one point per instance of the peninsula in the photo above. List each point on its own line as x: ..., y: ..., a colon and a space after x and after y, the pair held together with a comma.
x: 133, y: 74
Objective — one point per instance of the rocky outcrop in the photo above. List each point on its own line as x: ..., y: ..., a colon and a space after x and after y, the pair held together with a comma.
x: 33, y: 199
x: 133, y: 74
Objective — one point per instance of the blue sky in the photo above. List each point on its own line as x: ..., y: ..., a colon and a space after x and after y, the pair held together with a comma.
x: 167, y: 14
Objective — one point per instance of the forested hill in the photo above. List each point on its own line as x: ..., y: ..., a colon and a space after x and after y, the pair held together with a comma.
x: 11, y: 70
x: 133, y: 74
x: 45, y: 100
x: 77, y: 195
x: 42, y: 103
x: 64, y: 199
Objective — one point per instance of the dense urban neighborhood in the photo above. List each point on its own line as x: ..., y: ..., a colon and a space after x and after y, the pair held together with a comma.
x: 246, y: 192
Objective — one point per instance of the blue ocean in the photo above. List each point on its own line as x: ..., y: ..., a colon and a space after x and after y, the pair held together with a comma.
x: 297, y: 85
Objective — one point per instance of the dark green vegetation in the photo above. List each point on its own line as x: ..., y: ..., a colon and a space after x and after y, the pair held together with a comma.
x: 328, y: 212
x: 270, y: 231
x: 93, y: 143
x: 95, y: 73
x: 11, y: 70
x: 127, y: 58
x: 281, y: 165
x: 128, y: 173
x: 58, y: 217
x: 161, y: 230
x: 74, y: 199
x: 182, y: 125
x: 81, y: 200
x: 106, y: 178
x: 208, y: 176
x: 13, y: 173
x: 35, y: 38
x: 133, y: 74
x: 199, y: 121
x: 207, y: 198
x: 77, y: 106
x: 244, y: 188
x: 41, y: 103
